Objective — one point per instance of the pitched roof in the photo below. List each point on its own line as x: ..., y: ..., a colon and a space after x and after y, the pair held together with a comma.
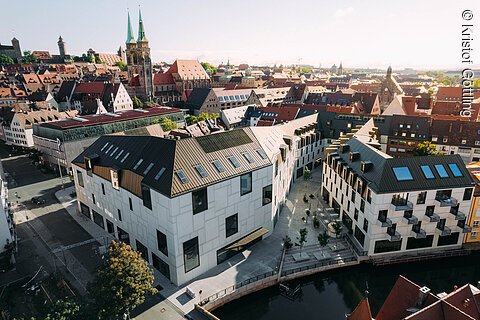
x: 65, y: 91
x: 174, y: 155
x: 188, y: 70
x: 361, y: 312
x: 197, y: 97
x: 163, y: 78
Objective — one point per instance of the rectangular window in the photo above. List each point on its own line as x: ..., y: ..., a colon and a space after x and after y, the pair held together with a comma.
x: 467, y: 195
x: 119, y: 215
x: 234, y: 162
x: 387, y: 246
x: 455, y: 170
x: 362, y: 205
x: 245, y: 183
x: 441, y: 170
x: 359, y: 235
x: 98, y: 219
x: 110, y: 228
x: 248, y: 157
x: 231, y: 225
x: 402, y: 173
x: 80, y: 178
x: 142, y: 249
x: 219, y: 166
x: 103, y: 189
x: 429, y: 211
x: 161, y: 266
x: 199, y: 200
x: 162, y: 243
x: 123, y: 235
x: 130, y: 204
x: 146, y: 197
x: 422, y: 196
x: 427, y: 172
x: 201, y: 171
x: 369, y: 196
x: 365, y: 225
x: 355, y: 215
x: 191, y: 257
x: 181, y: 175
x: 93, y: 198
x: 267, y: 195
x: 276, y: 168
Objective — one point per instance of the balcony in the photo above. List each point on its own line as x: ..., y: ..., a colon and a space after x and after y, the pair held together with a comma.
x: 448, y: 201
x: 458, y: 214
x: 394, y: 236
x: 385, y: 222
x: 446, y: 231
x: 464, y: 227
x: 421, y: 234
x: 411, y: 220
x: 432, y: 217
x: 401, y: 204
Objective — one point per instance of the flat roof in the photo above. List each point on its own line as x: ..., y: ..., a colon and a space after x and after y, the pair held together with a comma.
x: 98, y: 119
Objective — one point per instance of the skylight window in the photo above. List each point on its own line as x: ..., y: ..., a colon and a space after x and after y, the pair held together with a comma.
x: 139, y: 162
x: 119, y: 154
x: 219, y: 166
x: 109, y: 148
x: 125, y: 157
x: 427, y: 172
x: 234, y: 161
x: 113, y: 152
x: 455, y: 170
x: 181, y: 175
x: 159, y: 174
x: 104, y: 146
x: 148, y: 168
x: 402, y: 173
x: 262, y: 154
x: 441, y: 170
x: 220, y: 98
x: 248, y: 157
x: 201, y: 171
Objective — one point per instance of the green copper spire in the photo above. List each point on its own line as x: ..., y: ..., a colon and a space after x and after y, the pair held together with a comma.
x: 130, y: 38
x: 141, y: 29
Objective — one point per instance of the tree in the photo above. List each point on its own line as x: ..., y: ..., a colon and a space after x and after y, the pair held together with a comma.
x: 90, y: 58
x: 303, y: 237
x: 208, y: 66
x: 137, y: 103
x: 426, y: 148
x: 4, y: 59
x: 122, y: 65
x: 166, y: 123
x: 287, y: 242
x: 65, y: 310
x: 191, y: 120
x: 121, y: 283
x: 213, y: 116
x: 337, y: 227
x: 203, y: 116
x: 323, y: 239
x: 28, y: 57
x: 307, y: 174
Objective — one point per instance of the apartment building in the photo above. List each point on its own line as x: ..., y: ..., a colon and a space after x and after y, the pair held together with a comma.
x: 7, y: 228
x: 192, y: 203
x: 393, y: 205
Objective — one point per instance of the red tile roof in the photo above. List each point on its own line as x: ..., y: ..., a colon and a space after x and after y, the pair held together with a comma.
x: 98, y: 119
x: 361, y: 312
x: 163, y: 78
x: 90, y: 87
x: 279, y: 114
x: 265, y: 123
x: 454, y: 108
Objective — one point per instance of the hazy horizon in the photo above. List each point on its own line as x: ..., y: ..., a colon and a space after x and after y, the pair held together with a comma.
x: 372, y: 34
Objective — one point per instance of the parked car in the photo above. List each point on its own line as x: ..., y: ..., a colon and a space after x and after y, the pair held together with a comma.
x: 38, y: 200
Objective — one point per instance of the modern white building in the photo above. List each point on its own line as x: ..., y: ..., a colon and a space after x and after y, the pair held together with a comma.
x: 396, y: 204
x: 190, y: 204
x: 7, y: 229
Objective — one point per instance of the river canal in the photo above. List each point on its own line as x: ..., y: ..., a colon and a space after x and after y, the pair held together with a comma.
x: 330, y: 295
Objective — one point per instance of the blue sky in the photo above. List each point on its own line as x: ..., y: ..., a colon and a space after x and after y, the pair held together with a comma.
x: 375, y: 33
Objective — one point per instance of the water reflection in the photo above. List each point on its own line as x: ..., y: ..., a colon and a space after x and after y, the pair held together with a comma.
x: 332, y: 294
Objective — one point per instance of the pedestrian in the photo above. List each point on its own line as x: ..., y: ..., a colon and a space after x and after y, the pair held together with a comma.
x: 16, y: 195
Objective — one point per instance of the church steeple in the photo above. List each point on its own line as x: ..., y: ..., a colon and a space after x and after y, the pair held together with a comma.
x: 130, y: 37
x: 389, y: 72
x: 141, y: 28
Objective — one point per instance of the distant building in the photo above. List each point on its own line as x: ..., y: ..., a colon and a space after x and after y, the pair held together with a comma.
x: 389, y: 89
x: 61, y: 141
x: 206, y: 100
x: 12, y: 51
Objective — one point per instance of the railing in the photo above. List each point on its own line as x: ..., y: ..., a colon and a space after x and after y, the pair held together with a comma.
x: 396, y: 236
x: 421, y: 234
x: 318, y: 265
x: 446, y: 231
x: 445, y: 202
x: 351, y: 243
x: 385, y: 222
x: 412, y: 219
x: 433, y: 217
x: 236, y: 286
x: 402, y: 204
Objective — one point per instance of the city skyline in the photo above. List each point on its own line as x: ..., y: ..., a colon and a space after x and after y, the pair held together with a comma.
x: 265, y: 33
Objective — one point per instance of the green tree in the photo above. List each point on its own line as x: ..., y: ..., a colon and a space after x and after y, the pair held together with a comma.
x: 207, y: 66
x: 307, y: 174
x: 137, y: 103
x: 213, y: 116
x: 323, y: 239
x: 425, y: 148
x: 122, y: 65
x: 337, y: 227
x: 167, y: 124
x: 121, y: 283
x: 4, y: 59
x: 191, y: 120
x: 303, y: 238
x: 65, y: 310
x: 287, y: 242
x: 28, y: 57
x: 90, y: 58
x: 98, y: 60
x: 203, y: 116
x: 305, y: 70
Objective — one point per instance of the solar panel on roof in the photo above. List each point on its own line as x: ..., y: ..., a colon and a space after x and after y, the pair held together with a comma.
x: 148, y: 168
x: 219, y: 166
x: 181, y: 175
x: 233, y: 161
x: 125, y: 157
x: 159, y: 174
x: 248, y: 157
x: 201, y: 170
x: 224, y: 140
x: 139, y: 162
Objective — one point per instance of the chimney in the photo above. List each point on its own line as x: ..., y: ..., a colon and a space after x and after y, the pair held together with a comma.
x: 422, y: 296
